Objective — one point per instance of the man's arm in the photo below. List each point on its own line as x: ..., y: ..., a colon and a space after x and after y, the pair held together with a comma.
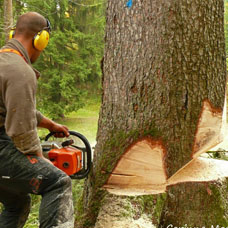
x: 53, y: 126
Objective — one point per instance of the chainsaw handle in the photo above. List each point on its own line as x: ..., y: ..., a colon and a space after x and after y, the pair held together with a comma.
x: 67, y: 143
x: 82, y: 173
x: 52, y: 134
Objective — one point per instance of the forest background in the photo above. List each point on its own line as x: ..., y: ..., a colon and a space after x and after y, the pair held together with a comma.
x: 70, y: 86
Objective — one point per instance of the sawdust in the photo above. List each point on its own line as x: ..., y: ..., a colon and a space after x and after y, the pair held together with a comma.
x: 127, y: 223
x: 118, y: 212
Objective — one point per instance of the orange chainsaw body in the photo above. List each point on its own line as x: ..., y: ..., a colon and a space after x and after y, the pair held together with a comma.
x: 67, y: 159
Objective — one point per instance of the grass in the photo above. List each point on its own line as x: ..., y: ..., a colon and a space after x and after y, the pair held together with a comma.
x: 90, y: 110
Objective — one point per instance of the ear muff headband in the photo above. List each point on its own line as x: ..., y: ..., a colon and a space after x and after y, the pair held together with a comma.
x: 40, y: 40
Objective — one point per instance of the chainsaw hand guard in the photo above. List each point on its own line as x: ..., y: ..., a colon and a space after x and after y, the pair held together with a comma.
x: 69, y: 157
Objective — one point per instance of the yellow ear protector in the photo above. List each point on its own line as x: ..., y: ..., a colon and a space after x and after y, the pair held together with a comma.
x: 40, y: 40
x: 12, y: 32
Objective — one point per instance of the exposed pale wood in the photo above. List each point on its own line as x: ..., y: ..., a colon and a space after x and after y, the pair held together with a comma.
x: 140, y: 166
x: 198, y: 170
x: 201, y: 170
x: 224, y: 131
x: 209, y: 132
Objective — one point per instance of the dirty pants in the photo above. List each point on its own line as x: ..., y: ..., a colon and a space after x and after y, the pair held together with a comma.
x: 21, y: 175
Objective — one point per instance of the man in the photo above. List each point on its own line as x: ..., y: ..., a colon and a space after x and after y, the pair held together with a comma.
x: 23, y: 169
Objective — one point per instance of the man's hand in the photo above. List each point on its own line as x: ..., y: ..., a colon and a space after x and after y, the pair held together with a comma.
x: 61, y: 130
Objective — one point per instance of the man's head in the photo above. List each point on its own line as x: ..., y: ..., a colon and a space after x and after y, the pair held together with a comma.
x: 32, y: 30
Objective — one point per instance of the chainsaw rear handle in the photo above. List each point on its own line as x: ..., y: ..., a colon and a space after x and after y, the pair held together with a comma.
x: 87, y: 153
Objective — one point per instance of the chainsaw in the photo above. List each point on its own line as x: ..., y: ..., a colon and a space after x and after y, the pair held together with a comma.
x: 72, y: 155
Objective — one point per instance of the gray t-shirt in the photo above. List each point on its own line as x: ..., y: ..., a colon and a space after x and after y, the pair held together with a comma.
x: 18, y: 84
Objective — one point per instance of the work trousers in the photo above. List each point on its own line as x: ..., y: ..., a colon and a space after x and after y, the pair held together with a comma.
x: 22, y: 175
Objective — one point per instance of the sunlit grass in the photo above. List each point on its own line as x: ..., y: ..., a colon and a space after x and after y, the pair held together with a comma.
x: 90, y: 110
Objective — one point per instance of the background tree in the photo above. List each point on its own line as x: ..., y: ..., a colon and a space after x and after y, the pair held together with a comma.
x: 1, y: 22
x: 8, y: 17
x: 164, y: 80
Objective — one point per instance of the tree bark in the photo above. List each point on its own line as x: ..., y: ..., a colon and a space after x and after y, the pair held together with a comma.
x: 164, y: 79
x: 8, y: 18
x: 196, y: 205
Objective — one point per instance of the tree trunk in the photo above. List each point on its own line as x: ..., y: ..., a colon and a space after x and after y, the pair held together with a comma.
x: 164, y: 79
x: 8, y: 18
